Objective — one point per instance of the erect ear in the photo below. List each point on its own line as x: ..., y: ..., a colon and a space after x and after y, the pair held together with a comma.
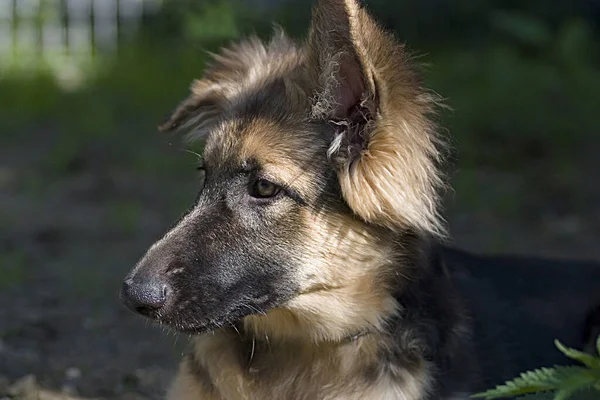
x: 346, y: 89
x: 384, y: 146
x: 200, y: 111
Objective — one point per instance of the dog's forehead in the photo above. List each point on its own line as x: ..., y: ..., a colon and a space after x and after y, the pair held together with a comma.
x: 288, y: 152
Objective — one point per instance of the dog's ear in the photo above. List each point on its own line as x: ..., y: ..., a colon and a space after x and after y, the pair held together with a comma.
x: 229, y: 75
x: 385, y: 148
x: 200, y: 111
x: 338, y: 62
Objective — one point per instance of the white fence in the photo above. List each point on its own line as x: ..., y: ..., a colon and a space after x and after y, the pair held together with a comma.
x: 67, y: 32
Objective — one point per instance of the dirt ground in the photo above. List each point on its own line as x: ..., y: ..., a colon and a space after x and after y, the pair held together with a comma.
x: 68, y: 239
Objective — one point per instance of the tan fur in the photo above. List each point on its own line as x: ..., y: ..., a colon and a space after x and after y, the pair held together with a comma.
x: 304, y: 372
x: 344, y: 276
x: 331, y: 286
x: 264, y: 142
x: 298, y: 350
x: 344, y: 289
x: 187, y: 386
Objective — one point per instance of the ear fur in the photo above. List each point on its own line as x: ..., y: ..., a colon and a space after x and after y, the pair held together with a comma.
x: 201, y: 110
x: 341, y: 67
x: 385, y: 148
x: 242, y: 68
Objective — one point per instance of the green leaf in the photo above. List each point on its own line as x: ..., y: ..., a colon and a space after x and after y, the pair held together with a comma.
x: 598, y: 344
x: 579, y: 384
x: 543, y: 379
x: 584, y: 358
x: 583, y: 395
x: 538, y: 396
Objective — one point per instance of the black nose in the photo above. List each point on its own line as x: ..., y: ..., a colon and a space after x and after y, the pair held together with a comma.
x: 144, y: 296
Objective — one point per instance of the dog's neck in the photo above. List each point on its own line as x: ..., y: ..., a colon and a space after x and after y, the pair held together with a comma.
x: 353, y: 311
x: 227, y: 363
x: 358, y: 300
x: 244, y: 335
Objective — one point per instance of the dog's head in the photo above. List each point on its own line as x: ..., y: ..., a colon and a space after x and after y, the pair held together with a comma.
x: 318, y: 156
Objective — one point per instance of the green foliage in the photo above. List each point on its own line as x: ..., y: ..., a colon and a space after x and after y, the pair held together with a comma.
x: 531, y: 87
x: 592, y: 362
x: 203, y: 25
x: 125, y: 215
x: 525, y: 28
x: 216, y: 20
x: 557, y: 383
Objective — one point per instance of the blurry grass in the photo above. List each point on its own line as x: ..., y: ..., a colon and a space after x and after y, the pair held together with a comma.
x: 125, y: 216
x: 13, y: 269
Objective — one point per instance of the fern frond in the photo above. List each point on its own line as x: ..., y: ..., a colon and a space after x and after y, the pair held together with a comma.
x: 577, y: 384
x: 558, y: 383
x: 584, y: 358
x: 582, y: 395
x: 538, y: 396
x: 538, y: 380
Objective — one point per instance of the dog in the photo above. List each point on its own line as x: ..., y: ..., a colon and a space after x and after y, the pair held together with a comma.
x: 313, y: 263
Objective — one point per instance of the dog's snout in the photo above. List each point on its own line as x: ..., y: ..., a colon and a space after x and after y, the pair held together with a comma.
x: 144, y: 296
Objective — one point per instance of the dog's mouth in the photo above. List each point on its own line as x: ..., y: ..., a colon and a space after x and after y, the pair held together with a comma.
x: 160, y: 302
x: 199, y: 328
x: 192, y: 321
x: 192, y: 325
x: 196, y: 310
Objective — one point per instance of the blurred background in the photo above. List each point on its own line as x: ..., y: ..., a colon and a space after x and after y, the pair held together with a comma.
x: 87, y: 183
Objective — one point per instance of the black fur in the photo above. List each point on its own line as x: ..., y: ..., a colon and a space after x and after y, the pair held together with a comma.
x: 519, y: 305
x: 480, y: 321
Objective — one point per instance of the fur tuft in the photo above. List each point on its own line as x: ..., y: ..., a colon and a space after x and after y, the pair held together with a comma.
x: 395, y: 181
x: 233, y: 74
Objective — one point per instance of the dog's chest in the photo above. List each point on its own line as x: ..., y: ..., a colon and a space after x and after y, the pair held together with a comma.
x: 221, y: 368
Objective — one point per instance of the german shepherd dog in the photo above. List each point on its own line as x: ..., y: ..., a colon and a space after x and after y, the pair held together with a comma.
x: 312, y: 264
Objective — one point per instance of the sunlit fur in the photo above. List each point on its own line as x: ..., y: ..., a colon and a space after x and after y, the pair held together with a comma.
x: 394, y: 180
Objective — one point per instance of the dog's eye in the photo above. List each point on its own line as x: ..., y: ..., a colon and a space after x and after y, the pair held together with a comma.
x: 263, y: 189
